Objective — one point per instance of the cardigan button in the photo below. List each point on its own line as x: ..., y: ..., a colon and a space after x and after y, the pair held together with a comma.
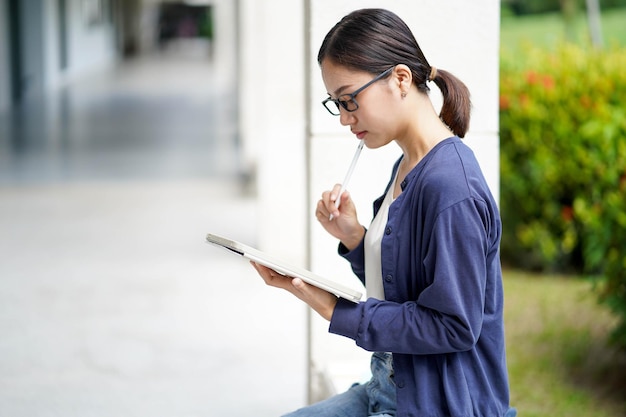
x: 389, y: 278
x: 388, y: 231
x: 400, y: 384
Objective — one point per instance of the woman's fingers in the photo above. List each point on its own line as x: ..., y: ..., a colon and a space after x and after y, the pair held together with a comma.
x: 334, y: 200
x: 329, y: 198
x: 327, y: 205
x: 271, y: 277
x: 334, y: 194
x: 320, y: 300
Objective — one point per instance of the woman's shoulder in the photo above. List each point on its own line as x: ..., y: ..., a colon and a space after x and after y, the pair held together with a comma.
x: 451, y: 175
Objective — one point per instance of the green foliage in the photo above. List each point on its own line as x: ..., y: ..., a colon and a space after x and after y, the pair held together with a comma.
x: 524, y: 7
x: 563, y: 165
x: 527, y: 7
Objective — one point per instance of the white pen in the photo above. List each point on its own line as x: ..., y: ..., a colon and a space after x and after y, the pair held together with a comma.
x: 344, y: 184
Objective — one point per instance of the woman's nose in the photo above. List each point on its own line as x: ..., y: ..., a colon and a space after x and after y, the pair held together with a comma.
x: 345, y: 117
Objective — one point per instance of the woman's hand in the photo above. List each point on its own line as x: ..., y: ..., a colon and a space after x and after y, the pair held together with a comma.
x: 345, y: 224
x: 319, y: 300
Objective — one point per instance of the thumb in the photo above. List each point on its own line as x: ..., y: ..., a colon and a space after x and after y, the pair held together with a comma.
x: 346, y: 199
x: 347, y: 208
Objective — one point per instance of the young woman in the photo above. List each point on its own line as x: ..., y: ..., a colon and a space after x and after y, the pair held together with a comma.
x: 430, y: 257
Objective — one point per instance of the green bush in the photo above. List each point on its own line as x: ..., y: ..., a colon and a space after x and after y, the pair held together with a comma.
x: 563, y: 165
x: 527, y: 7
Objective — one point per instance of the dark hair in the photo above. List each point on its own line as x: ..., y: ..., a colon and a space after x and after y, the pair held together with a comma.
x: 373, y: 40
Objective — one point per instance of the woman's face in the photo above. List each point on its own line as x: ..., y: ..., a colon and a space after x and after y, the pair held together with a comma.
x: 375, y: 121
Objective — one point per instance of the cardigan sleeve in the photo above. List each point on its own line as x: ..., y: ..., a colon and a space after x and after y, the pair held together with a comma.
x: 447, y: 315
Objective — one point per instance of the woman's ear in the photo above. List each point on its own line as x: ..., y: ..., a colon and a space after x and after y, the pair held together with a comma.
x: 403, y: 78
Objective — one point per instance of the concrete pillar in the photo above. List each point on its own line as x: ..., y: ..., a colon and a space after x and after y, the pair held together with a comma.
x: 273, y: 128
x: 273, y: 81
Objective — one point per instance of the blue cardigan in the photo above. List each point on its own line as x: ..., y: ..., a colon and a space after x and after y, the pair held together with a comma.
x: 442, y: 314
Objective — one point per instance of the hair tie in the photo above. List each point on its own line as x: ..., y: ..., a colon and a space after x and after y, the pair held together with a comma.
x: 433, y: 73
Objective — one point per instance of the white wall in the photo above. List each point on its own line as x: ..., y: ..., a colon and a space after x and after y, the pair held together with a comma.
x: 296, y: 165
x: 89, y: 48
x: 51, y: 57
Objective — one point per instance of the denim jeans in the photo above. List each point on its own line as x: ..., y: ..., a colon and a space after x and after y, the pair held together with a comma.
x: 377, y: 397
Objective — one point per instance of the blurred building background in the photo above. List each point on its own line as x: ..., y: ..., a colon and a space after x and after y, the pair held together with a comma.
x: 71, y: 67
x: 130, y: 129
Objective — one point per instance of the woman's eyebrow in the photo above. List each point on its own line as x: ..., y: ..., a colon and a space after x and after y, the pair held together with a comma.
x: 340, y: 89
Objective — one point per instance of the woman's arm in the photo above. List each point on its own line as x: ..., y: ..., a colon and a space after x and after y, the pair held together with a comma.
x: 319, y: 300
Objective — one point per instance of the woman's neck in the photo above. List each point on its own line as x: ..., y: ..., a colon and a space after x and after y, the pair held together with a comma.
x: 421, y: 133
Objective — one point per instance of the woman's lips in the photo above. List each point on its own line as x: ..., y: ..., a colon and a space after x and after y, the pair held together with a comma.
x: 361, y: 134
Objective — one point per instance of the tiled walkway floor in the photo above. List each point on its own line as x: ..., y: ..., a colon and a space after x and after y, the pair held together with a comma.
x: 111, y: 304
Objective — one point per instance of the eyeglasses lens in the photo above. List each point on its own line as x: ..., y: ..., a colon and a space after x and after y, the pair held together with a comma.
x: 334, y: 106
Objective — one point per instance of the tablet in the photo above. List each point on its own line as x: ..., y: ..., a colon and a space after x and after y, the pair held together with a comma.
x: 262, y: 258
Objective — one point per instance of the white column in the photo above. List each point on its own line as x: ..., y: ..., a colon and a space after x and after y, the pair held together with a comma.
x: 272, y: 88
x: 273, y: 120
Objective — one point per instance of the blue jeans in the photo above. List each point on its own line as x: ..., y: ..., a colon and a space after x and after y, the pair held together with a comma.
x: 377, y: 397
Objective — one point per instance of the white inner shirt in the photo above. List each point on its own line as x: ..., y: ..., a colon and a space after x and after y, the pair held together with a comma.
x: 373, y: 239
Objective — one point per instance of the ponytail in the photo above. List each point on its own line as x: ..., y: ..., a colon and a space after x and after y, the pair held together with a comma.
x: 455, y: 111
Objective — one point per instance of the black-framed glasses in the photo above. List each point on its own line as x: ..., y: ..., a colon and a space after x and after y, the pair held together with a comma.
x: 348, y: 101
